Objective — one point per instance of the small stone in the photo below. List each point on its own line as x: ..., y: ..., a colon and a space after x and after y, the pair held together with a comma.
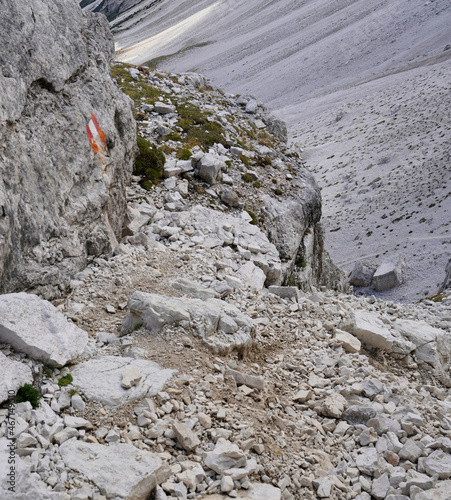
x: 186, y: 438
x: 325, y: 487
x: 334, y: 405
x: 411, y: 451
x: 438, y: 463
x: 227, y: 484
x: 380, y: 487
x: 131, y: 376
x: 348, y: 341
x: 302, y: 396
x: 77, y: 403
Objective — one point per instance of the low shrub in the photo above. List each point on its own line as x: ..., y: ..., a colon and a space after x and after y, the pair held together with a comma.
x: 28, y: 393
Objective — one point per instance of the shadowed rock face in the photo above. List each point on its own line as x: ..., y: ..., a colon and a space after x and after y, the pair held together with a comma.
x: 59, y: 202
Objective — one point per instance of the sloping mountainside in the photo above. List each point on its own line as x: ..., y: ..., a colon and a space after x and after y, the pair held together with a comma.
x: 363, y: 89
x: 61, y: 204
x: 111, y: 8
x: 178, y: 367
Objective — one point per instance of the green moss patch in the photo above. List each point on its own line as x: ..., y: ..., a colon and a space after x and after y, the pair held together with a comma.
x: 149, y: 164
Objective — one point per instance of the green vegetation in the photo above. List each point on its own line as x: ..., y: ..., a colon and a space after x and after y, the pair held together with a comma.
x: 135, y: 90
x: 247, y: 177
x: 149, y: 163
x: 245, y: 160
x: 263, y: 161
x: 183, y: 154
x: 300, y: 262
x: 66, y: 380
x: 173, y: 137
x: 199, y: 130
x: 253, y: 217
x: 278, y: 192
x: 28, y: 393
x: 292, y: 281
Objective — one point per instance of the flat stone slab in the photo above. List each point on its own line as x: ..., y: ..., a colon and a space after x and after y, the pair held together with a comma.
x: 13, y: 375
x: 101, y: 379
x: 34, y: 326
x: 257, y: 491
x: 118, y: 470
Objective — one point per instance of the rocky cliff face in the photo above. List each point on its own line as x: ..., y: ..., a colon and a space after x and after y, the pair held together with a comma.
x: 60, y: 203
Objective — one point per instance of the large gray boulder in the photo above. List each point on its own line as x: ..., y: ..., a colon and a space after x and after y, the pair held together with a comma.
x: 118, y: 470
x: 209, y: 168
x: 222, y: 326
x: 34, y: 326
x: 362, y: 274
x: 293, y: 226
x: 60, y: 203
x: 388, y: 275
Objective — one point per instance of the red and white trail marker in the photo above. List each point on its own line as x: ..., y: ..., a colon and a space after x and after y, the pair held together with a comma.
x: 95, y: 135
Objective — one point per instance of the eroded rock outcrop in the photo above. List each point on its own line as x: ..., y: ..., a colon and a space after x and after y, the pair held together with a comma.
x: 59, y: 201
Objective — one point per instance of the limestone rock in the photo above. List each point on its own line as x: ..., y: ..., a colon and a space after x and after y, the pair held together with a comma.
x: 348, y: 341
x: 388, y: 275
x: 185, y: 436
x: 243, y: 379
x: 225, y: 456
x: 13, y: 375
x: 252, y: 275
x: 209, y: 168
x: 440, y: 492
x: 334, y: 405
x: 101, y: 379
x: 61, y: 202
x: 439, y: 463
x: 131, y: 376
x: 256, y: 491
x: 136, y: 472
x: 423, y: 336
x: 220, y: 324
x: 163, y: 108
x: 230, y: 198
x: 193, y: 289
x: 362, y: 274
x: 36, y: 327
x: 371, y: 331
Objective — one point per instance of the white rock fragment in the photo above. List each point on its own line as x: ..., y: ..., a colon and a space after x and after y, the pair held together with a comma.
x: 349, y: 342
x: 34, y: 326
x: 369, y: 328
x: 101, y: 379
x: 13, y: 375
x: 136, y: 472
x: 131, y: 376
